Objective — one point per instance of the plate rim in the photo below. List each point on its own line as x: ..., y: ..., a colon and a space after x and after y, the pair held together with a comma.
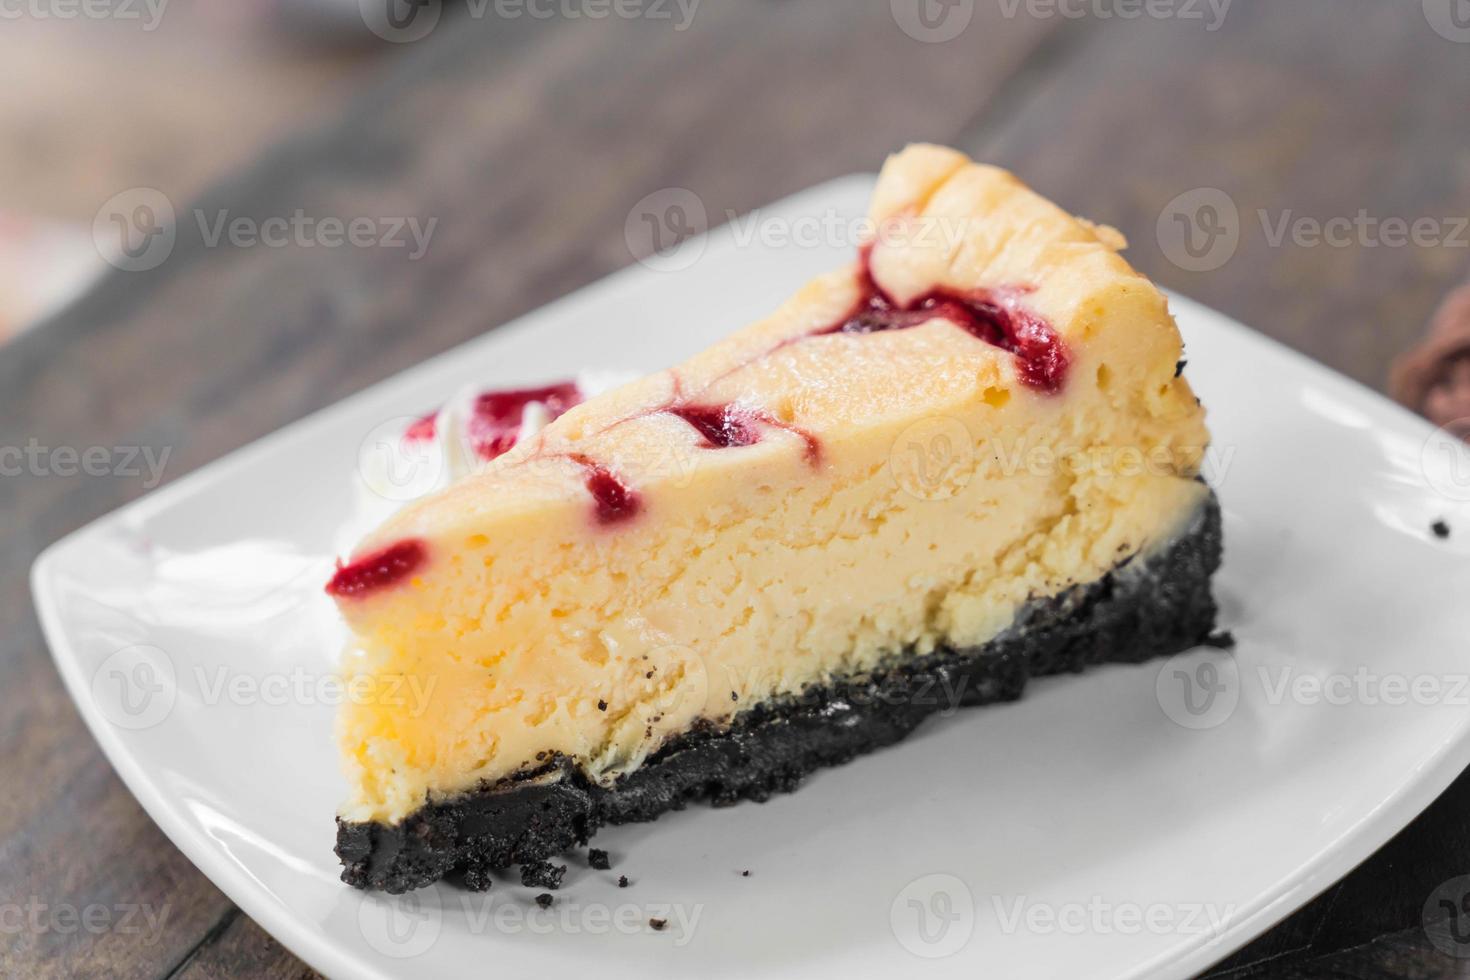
x: 1432, y: 777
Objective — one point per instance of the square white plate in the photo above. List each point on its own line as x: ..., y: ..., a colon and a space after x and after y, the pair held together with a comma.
x: 1102, y: 827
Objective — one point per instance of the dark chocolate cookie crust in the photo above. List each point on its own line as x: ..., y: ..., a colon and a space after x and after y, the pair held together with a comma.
x: 1140, y: 610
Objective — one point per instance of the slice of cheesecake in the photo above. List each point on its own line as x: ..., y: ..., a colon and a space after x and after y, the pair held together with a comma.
x: 967, y: 459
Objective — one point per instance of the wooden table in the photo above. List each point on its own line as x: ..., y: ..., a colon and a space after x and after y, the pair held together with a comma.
x: 530, y: 140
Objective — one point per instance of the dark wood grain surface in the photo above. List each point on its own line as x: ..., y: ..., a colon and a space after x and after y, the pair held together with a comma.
x: 530, y: 141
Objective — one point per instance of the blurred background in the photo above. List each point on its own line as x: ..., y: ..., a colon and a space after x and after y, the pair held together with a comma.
x: 167, y: 94
x: 1235, y: 99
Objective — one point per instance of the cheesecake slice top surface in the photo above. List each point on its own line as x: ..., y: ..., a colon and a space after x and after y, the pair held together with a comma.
x: 984, y: 408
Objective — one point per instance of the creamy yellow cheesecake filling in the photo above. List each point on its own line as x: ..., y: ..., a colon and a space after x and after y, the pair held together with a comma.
x: 794, y: 504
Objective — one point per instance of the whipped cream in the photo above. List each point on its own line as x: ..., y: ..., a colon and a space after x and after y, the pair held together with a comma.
x: 408, y: 458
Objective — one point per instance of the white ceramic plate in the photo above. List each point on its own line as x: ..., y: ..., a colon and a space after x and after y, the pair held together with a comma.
x: 1104, y: 826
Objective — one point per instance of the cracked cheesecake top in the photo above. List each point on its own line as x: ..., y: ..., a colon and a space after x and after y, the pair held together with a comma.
x: 983, y: 409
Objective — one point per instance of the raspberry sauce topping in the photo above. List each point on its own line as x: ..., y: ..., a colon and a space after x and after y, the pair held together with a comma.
x: 615, y: 501
x: 723, y: 426
x: 494, y: 425
x: 994, y: 316
x: 732, y: 426
x: 377, y: 570
x: 423, y: 429
x: 496, y: 422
